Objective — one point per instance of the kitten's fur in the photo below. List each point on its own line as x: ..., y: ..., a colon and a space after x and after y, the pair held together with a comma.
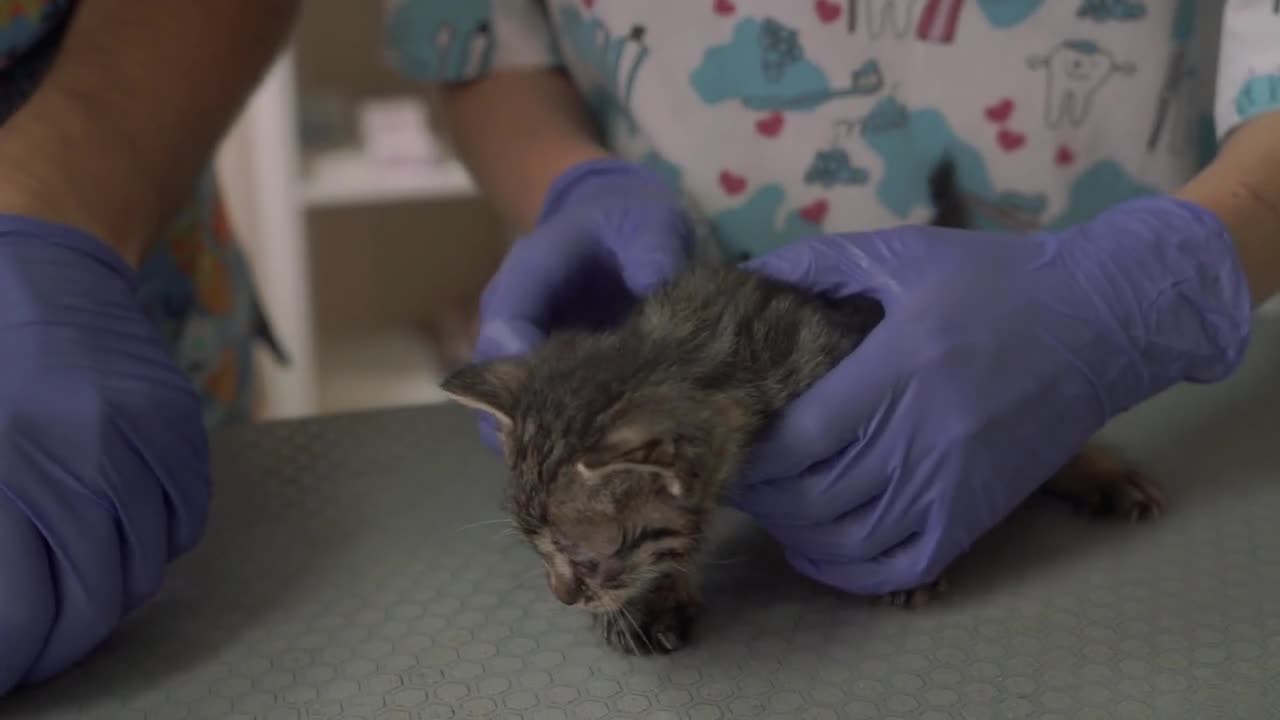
x: 620, y: 442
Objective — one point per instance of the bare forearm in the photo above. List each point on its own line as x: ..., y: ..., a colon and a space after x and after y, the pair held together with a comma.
x: 1242, y: 187
x: 516, y: 131
x: 132, y: 109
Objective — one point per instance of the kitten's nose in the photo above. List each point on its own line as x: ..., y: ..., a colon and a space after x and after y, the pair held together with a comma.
x: 568, y: 589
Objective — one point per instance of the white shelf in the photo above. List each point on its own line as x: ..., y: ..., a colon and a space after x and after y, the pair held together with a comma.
x: 271, y: 186
x: 347, y: 177
x: 387, y: 368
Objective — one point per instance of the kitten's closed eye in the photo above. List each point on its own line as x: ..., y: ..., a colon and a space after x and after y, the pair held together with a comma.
x: 647, y: 535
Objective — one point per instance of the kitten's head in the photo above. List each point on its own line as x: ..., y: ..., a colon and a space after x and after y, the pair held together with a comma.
x: 606, y: 481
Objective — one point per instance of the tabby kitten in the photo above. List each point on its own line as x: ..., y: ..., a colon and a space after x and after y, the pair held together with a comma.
x: 620, y: 442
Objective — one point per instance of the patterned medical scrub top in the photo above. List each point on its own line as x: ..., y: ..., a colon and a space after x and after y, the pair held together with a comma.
x: 194, y: 282
x: 785, y: 119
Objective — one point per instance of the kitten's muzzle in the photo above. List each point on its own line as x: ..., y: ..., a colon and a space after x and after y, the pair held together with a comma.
x: 568, y: 588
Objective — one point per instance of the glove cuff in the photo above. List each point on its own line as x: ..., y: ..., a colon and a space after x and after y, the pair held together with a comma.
x: 1176, y: 269
x: 587, y: 172
x: 23, y: 233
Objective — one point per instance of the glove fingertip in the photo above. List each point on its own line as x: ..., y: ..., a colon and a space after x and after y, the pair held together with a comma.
x: 643, y: 278
x: 506, y: 337
x: 187, y: 529
x: 27, y: 615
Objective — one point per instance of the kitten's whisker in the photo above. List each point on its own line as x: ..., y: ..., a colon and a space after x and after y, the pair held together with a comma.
x: 617, y: 620
x: 506, y: 532
x: 626, y: 634
x: 495, y: 521
x: 632, y: 620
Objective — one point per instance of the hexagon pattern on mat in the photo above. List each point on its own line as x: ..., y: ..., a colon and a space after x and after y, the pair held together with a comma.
x: 358, y: 567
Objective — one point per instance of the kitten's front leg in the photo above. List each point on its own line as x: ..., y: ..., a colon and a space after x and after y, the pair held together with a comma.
x: 659, y: 621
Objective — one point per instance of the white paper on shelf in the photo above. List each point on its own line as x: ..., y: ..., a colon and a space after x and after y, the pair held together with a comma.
x: 350, y: 177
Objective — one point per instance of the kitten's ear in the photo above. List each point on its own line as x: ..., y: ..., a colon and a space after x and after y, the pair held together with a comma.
x: 492, y: 387
x: 643, y: 437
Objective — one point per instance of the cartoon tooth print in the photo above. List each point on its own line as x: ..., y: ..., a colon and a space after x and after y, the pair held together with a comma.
x: 447, y: 42
x: 893, y: 16
x: 1075, y: 70
x: 1171, y: 105
x: 616, y: 62
x: 764, y: 67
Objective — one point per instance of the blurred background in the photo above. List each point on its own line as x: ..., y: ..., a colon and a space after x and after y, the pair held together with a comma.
x: 368, y: 240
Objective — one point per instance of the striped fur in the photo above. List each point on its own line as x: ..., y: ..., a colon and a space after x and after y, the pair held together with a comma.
x: 620, y: 442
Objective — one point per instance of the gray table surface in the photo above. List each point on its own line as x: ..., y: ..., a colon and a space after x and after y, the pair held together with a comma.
x: 342, y: 577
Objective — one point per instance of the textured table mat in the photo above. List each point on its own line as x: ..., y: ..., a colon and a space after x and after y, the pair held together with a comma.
x: 346, y: 575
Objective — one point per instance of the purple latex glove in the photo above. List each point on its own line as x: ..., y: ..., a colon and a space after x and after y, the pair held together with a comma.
x: 999, y: 357
x: 609, y: 232
x: 104, y: 462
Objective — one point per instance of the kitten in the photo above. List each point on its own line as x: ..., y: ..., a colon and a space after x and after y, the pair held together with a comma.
x: 620, y: 442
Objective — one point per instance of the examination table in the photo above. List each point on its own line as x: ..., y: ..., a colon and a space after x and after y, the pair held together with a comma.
x: 356, y: 567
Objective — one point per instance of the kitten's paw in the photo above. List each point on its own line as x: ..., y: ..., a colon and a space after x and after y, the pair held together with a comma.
x: 672, y: 627
x: 1100, y: 482
x: 658, y: 631
x: 917, y: 597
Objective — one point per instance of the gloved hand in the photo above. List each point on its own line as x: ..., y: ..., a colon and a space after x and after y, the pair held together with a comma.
x: 104, y: 463
x: 999, y: 357
x: 609, y: 232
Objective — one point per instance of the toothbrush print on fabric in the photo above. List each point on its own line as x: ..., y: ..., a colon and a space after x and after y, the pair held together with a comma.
x: 763, y: 67
x: 892, y: 17
x: 932, y: 21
